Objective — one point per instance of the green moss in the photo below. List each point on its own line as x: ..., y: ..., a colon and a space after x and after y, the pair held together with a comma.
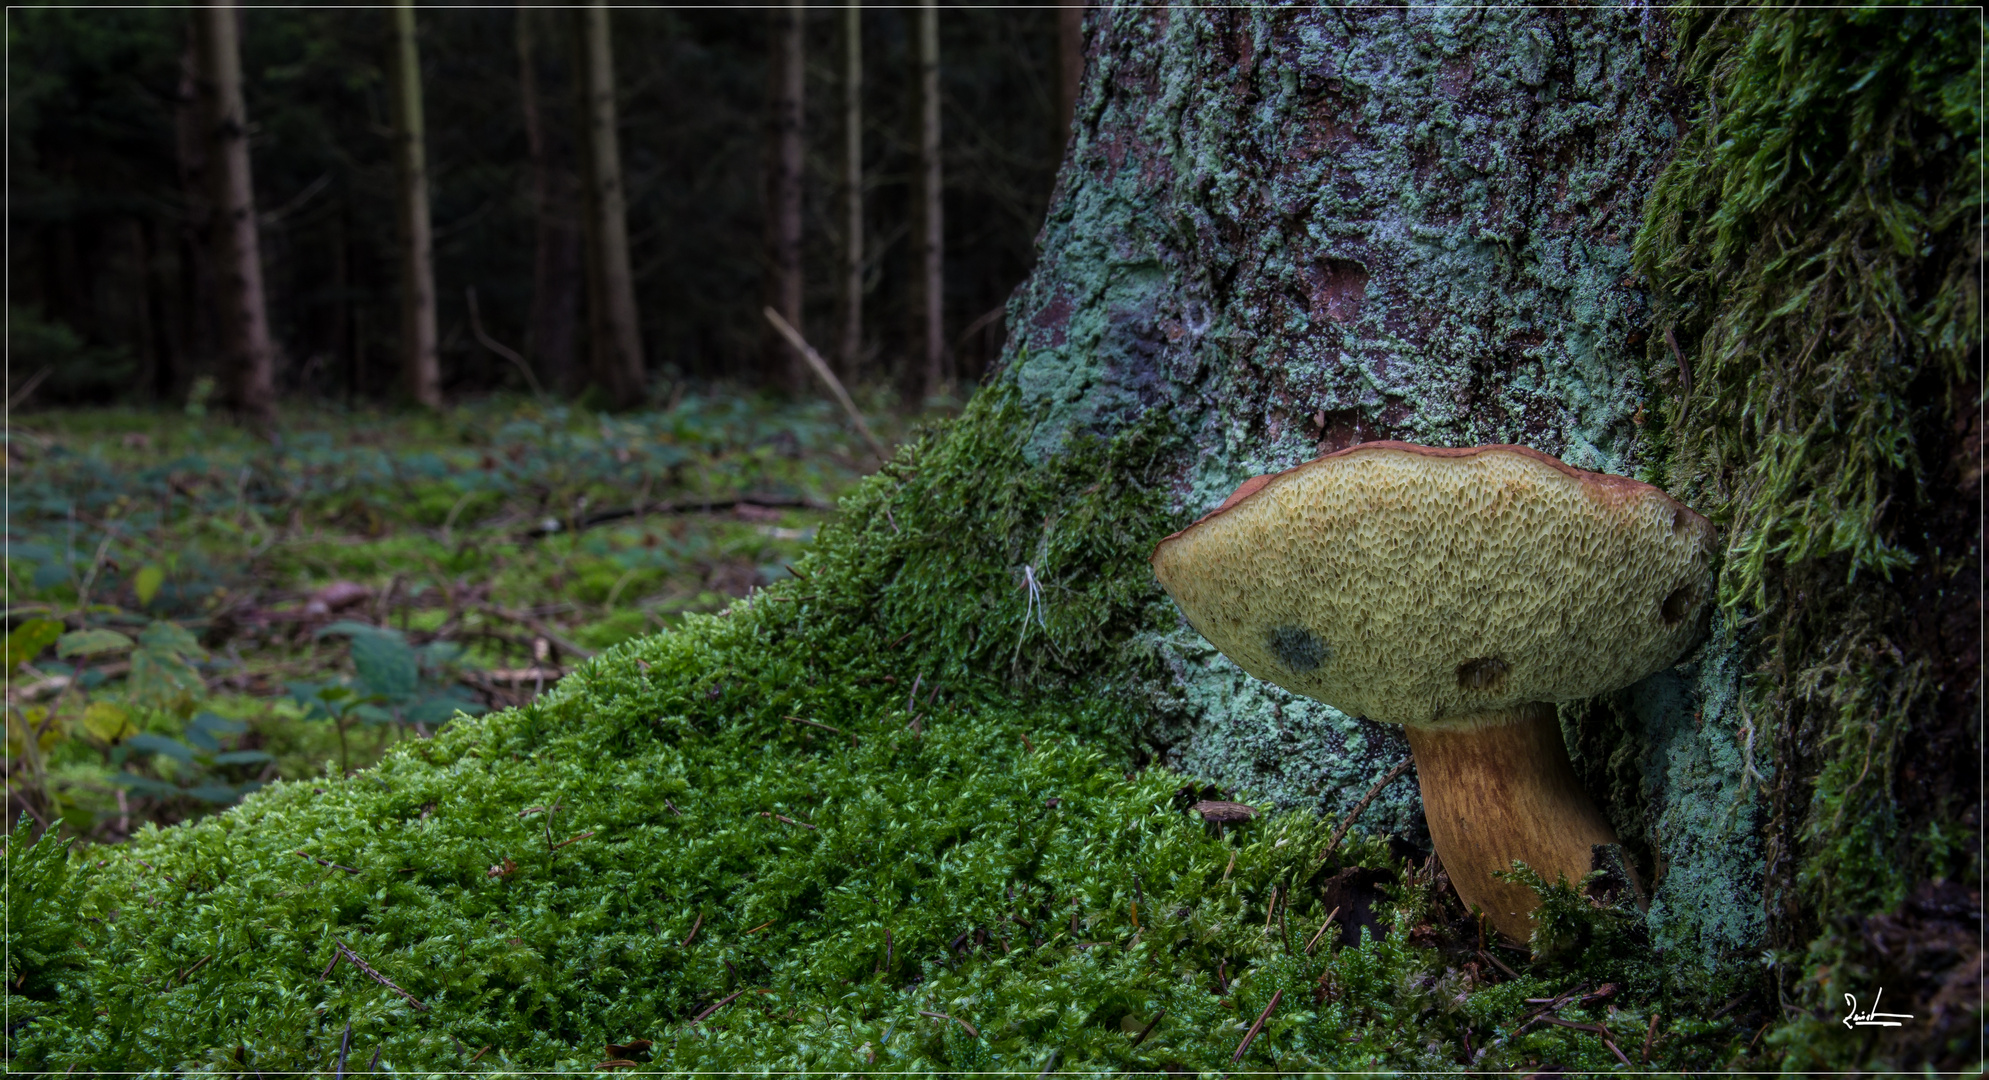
x: 1815, y: 253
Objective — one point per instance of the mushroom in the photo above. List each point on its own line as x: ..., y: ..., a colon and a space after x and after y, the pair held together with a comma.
x: 1460, y: 593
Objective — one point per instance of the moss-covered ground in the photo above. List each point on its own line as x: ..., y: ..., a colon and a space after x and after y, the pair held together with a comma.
x: 884, y: 815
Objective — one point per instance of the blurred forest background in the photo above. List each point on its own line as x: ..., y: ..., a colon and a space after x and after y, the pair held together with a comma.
x: 116, y: 271
x: 370, y: 366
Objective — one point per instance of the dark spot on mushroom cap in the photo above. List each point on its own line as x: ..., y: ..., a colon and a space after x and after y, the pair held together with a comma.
x: 1487, y: 673
x: 1296, y: 648
x: 1678, y: 604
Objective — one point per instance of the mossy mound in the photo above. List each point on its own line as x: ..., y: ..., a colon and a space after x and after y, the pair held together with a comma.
x: 880, y: 817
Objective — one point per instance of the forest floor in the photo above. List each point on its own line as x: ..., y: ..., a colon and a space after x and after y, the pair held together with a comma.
x: 194, y: 613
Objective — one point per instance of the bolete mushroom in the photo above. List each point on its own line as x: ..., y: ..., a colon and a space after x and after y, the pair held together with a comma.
x: 1460, y: 593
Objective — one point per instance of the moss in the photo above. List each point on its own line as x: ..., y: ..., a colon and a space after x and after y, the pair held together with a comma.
x: 1815, y: 254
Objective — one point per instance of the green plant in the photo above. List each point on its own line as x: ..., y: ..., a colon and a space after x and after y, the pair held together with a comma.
x: 394, y: 683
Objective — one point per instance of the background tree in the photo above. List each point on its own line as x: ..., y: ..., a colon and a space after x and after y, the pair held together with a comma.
x: 93, y: 97
x: 931, y: 220
x: 553, y: 325
x: 851, y: 350
x: 419, y: 363
x: 247, y: 357
x: 785, y: 116
x: 615, y: 333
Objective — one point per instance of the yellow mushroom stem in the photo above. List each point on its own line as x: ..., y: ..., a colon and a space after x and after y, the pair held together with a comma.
x: 1504, y: 789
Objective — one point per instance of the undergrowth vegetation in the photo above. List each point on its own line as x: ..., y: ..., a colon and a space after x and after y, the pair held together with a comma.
x: 193, y: 613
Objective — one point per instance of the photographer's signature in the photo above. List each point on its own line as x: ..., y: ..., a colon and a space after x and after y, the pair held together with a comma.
x: 1872, y: 1017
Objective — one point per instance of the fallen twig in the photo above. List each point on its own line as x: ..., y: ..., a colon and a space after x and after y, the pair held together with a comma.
x: 784, y: 817
x: 1545, y: 1011
x: 1147, y: 1030
x: 570, y: 840
x: 814, y: 724
x: 328, y: 862
x: 955, y: 1019
x: 1340, y: 830
x: 1497, y: 963
x: 1256, y: 1027
x: 344, y: 1048
x: 188, y: 973
x: 823, y: 372
x: 1322, y: 930
x: 377, y: 977
x: 687, y: 506
x: 695, y: 923
x: 1650, y: 1033
x: 537, y: 626
x: 716, y: 1005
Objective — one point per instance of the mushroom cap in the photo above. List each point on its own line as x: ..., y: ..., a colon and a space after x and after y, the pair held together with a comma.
x: 1437, y: 587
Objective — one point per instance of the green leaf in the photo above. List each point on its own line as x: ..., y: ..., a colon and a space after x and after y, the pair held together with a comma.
x: 385, y: 664
x: 92, y: 642
x: 165, y: 636
x: 164, y: 680
x: 27, y: 640
x: 146, y: 583
x: 159, y: 744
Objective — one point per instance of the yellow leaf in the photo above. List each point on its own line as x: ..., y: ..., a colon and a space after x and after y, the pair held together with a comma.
x: 108, y: 722
x: 146, y: 583
x: 26, y: 720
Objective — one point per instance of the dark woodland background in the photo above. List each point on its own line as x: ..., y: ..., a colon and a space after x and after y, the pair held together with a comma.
x: 110, y: 265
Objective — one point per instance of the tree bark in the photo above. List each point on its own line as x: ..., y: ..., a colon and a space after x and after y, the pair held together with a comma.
x: 930, y: 232
x: 1070, y: 65
x: 421, y: 363
x: 1290, y: 231
x: 553, y: 324
x: 851, y: 350
x: 247, y: 357
x: 615, y: 330
x: 786, y: 77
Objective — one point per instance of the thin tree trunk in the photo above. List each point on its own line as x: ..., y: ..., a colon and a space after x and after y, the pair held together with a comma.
x: 851, y: 351
x: 931, y: 219
x: 420, y: 363
x: 1070, y: 66
x: 248, y: 360
x: 552, y: 325
x: 783, y: 236
x: 617, y: 335
x: 193, y: 239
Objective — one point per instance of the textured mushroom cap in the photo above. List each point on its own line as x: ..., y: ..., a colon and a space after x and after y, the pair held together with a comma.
x: 1424, y: 586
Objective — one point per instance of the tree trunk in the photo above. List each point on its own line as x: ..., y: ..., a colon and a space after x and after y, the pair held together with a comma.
x: 786, y: 76
x: 851, y: 350
x: 1070, y: 66
x: 421, y: 364
x: 616, y: 331
x: 247, y: 357
x: 930, y: 234
x: 194, y: 238
x: 553, y: 324
x: 1421, y: 232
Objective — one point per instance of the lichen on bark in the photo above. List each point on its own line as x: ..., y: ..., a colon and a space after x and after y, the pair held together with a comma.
x: 1297, y: 231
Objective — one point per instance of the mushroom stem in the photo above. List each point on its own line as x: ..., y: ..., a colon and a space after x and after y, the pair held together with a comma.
x: 1504, y: 789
